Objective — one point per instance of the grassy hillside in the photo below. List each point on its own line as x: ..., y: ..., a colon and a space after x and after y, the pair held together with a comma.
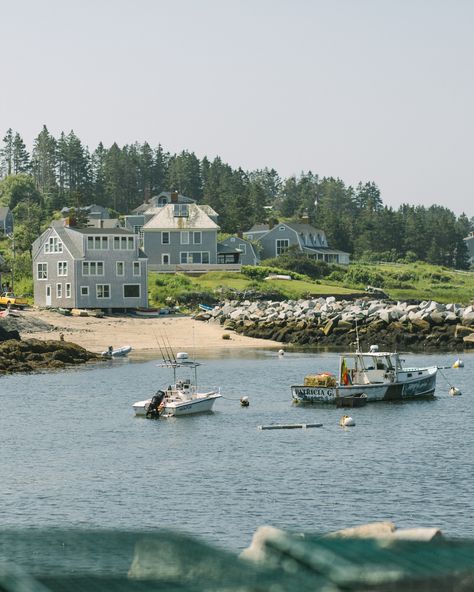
x: 417, y: 281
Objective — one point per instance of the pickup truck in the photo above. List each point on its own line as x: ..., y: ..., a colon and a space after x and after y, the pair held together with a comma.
x: 7, y: 298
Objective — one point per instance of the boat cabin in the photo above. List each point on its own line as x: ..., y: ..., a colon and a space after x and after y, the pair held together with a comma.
x: 368, y: 368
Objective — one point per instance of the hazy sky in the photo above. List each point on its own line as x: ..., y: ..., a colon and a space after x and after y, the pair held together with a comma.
x: 364, y: 90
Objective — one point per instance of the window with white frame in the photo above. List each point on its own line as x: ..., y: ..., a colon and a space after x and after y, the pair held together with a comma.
x: 42, y: 271
x: 136, y: 268
x: 165, y: 258
x: 243, y: 248
x: 181, y: 210
x: 84, y: 290
x: 92, y: 268
x: 282, y: 245
x: 102, y: 290
x: 62, y: 268
x: 165, y: 238
x: 59, y: 290
x: 197, y: 237
x: 185, y: 237
x: 98, y: 242
x: 119, y: 268
x: 67, y: 290
x: 194, y: 257
x: 131, y: 290
x: 124, y: 243
x: 53, y: 245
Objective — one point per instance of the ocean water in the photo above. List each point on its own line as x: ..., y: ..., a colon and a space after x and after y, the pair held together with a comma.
x: 74, y: 455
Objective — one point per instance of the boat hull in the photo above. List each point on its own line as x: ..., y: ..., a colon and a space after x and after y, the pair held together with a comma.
x: 423, y: 387
x: 176, y: 409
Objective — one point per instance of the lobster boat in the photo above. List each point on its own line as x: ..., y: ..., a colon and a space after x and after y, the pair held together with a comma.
x: 367, y: 377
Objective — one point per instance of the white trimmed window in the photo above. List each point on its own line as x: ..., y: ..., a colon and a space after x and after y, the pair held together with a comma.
x: 282, y: 245
x: 243, y: 248
x: 84, y: 290
x: 102, y: 290
x: 165, y: 258
x: 124, y: 243
x: 185, y: 237
x: 67, y: 290
x: 136, y: 268
x: 98, y: 242
x: 197, y: 237
x: 92, y: 268
x: 181, y: 210
x: 165, y: 238
x: 120, y: 268
x: 53, y: 245
x: 131, y: 290
x: 194, y: 257
x: 59, y: 290
x: 42, y: 271
x: 62, y: 268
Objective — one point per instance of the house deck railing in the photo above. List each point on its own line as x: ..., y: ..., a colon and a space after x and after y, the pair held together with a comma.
x: 194, y: 267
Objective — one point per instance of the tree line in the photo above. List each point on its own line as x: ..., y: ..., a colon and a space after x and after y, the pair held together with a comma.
x: 63, y: 171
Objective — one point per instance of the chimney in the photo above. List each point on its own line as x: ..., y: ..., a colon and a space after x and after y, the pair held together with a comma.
x: 174, y: 197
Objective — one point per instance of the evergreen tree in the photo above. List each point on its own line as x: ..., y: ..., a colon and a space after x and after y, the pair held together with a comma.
x: 6, y: 154
x: 20, y: 157
x: 184, y: 174
x: 44, y: 165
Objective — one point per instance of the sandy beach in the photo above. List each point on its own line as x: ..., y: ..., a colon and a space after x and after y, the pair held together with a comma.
x: 143, y: 334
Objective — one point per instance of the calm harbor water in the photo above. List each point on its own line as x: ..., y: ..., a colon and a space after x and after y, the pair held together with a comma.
x: 73, y: 454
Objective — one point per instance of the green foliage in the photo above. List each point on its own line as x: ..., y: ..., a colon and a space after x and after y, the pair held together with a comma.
x: 260, y: 272
x: 295, y: 261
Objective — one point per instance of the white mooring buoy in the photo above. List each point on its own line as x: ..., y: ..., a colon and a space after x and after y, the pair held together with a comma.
x: 453, y: 391
x: 346, y: 421
x: 281, y: 352
x: 244, y: 401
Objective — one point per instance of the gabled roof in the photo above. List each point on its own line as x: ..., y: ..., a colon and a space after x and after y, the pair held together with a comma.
x: 302, y: 228
x: 196, y: 220
x: 259, y: 228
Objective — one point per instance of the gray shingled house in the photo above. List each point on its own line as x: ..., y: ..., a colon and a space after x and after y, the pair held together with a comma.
x: 89, y: 268
x: 277, y: 239
x: 235, y: 249
x: 181, y: 236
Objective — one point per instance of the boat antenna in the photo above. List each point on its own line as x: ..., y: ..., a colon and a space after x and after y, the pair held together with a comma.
x: 357, y: 339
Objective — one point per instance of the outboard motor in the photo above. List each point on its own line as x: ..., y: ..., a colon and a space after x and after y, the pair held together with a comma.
x: 154, y: 410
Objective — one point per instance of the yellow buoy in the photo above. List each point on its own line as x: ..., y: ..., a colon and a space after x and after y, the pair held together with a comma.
x: 458, y: 364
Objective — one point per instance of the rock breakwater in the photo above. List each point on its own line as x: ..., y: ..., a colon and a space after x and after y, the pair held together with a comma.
x: 326, y: 322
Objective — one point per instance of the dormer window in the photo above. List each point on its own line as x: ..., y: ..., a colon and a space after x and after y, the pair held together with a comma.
x: 181, y: 210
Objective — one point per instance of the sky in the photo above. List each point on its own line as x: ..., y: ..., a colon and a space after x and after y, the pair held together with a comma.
x: 363, y: 90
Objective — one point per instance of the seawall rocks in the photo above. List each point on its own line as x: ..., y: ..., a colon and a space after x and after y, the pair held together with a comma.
x: 428, y: 325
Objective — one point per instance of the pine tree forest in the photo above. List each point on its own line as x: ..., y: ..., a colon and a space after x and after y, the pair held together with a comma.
x: 62, y: 171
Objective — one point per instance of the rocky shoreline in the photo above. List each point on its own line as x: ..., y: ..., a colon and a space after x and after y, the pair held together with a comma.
x: 35, y: 355
x: 327, y: 322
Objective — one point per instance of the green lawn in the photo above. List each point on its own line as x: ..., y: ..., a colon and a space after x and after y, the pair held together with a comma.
x: 416, y: 281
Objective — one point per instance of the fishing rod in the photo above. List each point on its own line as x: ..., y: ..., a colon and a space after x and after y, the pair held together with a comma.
x: 169, y: 349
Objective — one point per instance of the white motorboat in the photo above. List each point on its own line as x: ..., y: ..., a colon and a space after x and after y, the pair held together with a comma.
x: 180, y: 398
x: 379, y: 376
x: 119, y: 352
